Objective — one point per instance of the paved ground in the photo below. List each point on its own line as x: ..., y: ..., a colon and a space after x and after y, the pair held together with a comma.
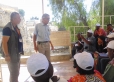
x: 62, y: 69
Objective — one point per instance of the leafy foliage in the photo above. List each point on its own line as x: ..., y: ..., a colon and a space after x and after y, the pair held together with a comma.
x: 68, y: 12
x: 22, y: 12
x: 108, y: 10
x: 73, y: 13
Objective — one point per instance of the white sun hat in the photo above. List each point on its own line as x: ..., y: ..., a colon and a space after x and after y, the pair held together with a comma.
x: 37, y: 62
x: 90, y: 31
x: 98, y: 24
x: 110, y: 45
x: 84, y: 60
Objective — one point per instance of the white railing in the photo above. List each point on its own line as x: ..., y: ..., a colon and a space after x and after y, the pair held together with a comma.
x: 73, y: 28
x: 80, y: 29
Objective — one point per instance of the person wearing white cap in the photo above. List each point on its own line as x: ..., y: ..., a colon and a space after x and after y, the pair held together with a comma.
x: 99, y: 31
x: 40, y: 69
x: 100, y: 36
x: 85, y: 69
x: 110, y: 37
x: 89, y: 43
x: 109, y: 71
x: 110, y: 49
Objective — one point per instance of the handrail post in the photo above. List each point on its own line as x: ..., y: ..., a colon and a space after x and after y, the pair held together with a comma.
x: 74, y: 33
x: 102, y: 13
x: 110, y: 20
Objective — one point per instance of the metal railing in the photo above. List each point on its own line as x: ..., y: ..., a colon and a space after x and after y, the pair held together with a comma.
x: 77, y: 29
x: 83, y: 29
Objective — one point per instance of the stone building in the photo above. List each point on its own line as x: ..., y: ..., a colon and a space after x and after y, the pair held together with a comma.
x: 5, y: 12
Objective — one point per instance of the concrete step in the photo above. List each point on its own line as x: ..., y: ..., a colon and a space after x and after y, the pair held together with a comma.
x: 54, y: 58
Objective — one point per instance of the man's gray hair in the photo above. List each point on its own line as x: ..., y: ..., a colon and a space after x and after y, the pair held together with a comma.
x: 45, y: 15
x: 13, y: 14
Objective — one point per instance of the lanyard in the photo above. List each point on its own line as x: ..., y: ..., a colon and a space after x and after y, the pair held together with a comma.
x: 18, y: 31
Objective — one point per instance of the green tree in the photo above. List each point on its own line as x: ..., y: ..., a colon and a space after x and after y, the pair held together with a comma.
x: 108, y: 10
x: 68, y: 12
x: 94, y: 14
x: 22, y: 12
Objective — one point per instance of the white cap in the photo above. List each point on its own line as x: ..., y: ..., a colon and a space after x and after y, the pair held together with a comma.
x: 37, y: 62
x: 98, y: 24
x: 90, y: 31
x: 110, y: 45
x: 111, y: 35
x: 84, y: 60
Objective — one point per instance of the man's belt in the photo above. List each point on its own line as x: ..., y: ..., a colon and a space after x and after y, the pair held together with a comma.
x: 40, y: 42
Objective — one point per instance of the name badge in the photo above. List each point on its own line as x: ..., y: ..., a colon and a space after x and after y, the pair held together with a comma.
x: 20, y: 40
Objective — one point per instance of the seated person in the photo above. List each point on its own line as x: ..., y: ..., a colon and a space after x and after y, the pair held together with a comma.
x: 85, y: 69
x: 109, y: 29
x: 101, y: 44
x: 109, y: 71
x: 100, y: 36
x: 89, y: 43
x: 99, y: 31
x: 78, y: 46
x: 103, y: 60
x: 40, y: 69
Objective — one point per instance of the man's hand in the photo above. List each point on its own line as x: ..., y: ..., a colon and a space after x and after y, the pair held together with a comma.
x: 7, y: 58
x: 34, y: 42
x: 107, y: 31
x: 52, y: 48
x: 82, y: 36
x: 36, y: 48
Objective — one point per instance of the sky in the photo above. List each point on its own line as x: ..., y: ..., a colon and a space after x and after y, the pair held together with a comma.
x: 34, y: 7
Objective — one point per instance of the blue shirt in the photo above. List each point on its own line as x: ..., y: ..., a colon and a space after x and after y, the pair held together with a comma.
x: 7, y: 32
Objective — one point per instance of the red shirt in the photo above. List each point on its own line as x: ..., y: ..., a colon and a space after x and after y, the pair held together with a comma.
x: 97, y: 77
x: 100, y: 32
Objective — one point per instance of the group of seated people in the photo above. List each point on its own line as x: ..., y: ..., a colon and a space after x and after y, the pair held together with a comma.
x: 96, y: 43
x: 41, y: 70
x: 86, y: 52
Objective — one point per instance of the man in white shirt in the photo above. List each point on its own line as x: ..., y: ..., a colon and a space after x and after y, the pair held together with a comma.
x: 41, y: 36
